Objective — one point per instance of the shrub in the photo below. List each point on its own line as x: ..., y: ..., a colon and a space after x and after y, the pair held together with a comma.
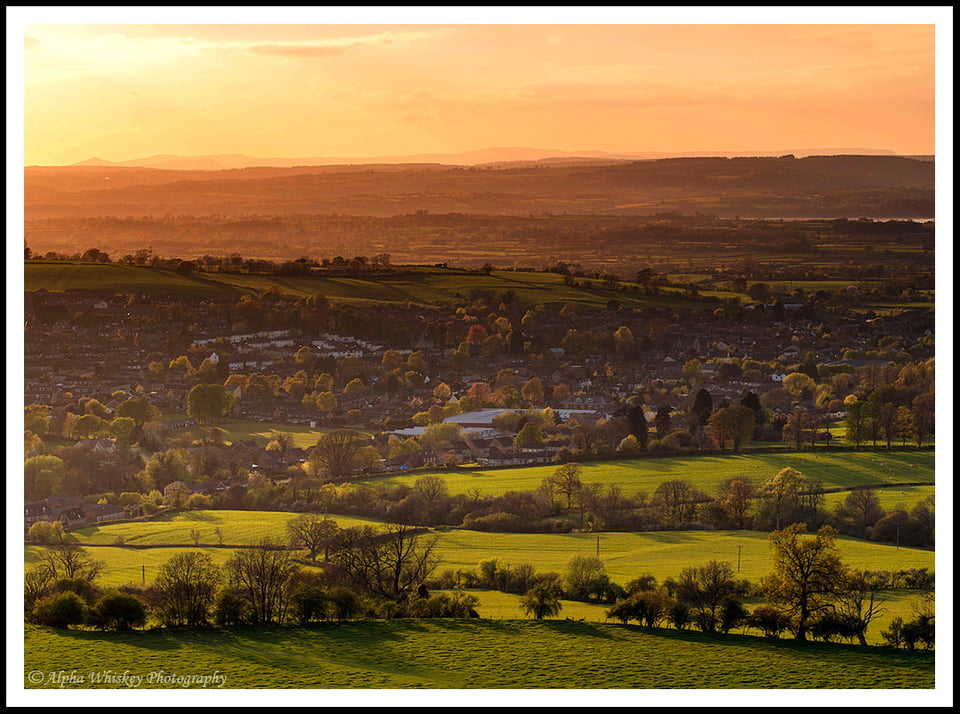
x: 732, y: 614
x: 199, y: 502
x: 60, y: 610
x: 769, y: 620
x: 118, y: 611
x: 230, y: 608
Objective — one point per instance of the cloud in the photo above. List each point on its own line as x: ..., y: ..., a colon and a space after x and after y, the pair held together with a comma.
x: 329, y: 47
x: 297, y: 50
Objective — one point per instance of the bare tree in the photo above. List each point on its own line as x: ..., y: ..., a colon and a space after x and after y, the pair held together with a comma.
x: 183, y: 591
x: 313, y: 532
x: 336, y: 452
x: 859, y: 603
x: 389, y: 562
x: 262, y: 576
x: 69, y: 560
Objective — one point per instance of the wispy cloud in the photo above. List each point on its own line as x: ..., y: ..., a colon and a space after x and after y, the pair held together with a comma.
x: 328, y: 47
x: 296, y: 51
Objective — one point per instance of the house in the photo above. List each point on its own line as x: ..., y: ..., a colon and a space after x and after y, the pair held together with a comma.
x: 102, y: 512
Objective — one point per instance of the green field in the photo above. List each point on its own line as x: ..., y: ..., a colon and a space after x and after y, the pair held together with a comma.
x: 422, y: 287
x: 474, y: 654
x: 625, y: 555
x: 496, y: 605
x: 662, y: 554
x: 236, y: 528
x: 901, y: 497
x: 837, y: 469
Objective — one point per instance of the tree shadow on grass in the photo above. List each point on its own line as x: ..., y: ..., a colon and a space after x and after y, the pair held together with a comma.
x: 891, y: 656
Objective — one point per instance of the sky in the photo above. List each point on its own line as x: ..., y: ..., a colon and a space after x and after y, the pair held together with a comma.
x: 125, y: 91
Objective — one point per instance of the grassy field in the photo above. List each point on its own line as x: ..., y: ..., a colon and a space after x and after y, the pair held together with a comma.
x: 625, y: 555
x: 496, y: 605
x: 236, y: 528
x: 901, y: 497
x: 473, y: 654
x: 837, y: 469
x: 662, y: 554
x: 423, y: 287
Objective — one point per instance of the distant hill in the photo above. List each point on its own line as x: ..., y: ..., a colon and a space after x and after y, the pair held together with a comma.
x: 786, y: 186
x: 465, y: 158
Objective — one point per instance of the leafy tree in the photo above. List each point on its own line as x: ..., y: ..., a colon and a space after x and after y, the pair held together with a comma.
x: 701, y: 409
x: 533, y: 391
x: 123, y: 428
x: 586, y: 578
x: 36, y: 418
x: 859, y: 415
x: 799, y: 385
x: 662, y: 421
x: 44, y: 532
x: 542, y: 600
x: 638, y: 425
x: 528, y: 436
x: 566, y: 481
x: 860, y: 510
x: 207, y: 403
x: 43, y: 476
x: 808, y: 572
x: 165, y: 467
x: 735, y: 498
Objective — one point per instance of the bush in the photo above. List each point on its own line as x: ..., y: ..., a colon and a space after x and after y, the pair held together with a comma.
x: 456, y: 604
x: 732, y: 614
x: 118, y: 611
x: 309, y: 604
x: 769, y: 620
x: 60, y: 610
x: 230, y: 609
x: 84, y: 589
x: 199, y: 502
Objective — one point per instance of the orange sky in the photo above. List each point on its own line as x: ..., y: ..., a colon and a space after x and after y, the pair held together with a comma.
x: 127, y: 91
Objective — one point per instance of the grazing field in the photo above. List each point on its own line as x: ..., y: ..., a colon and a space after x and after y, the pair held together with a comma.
x: 475, y: 654
x: 625, y: 555
x: 661, y: 554
x: 496, y: 605
x: 236, y: 528
x: 427, y: 286
x: 837, y: 469
x: 898, y: 497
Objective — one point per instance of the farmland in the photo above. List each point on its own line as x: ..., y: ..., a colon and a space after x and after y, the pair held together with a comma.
x: 836, y: 469
x: 503, y: 654
x: 416, y: 286
x: 625, y: 555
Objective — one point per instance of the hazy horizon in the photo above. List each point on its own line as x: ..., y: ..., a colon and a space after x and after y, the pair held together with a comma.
x: 348, y: 90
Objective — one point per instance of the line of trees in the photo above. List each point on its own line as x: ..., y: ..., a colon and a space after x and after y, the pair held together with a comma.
x: 367, y: 572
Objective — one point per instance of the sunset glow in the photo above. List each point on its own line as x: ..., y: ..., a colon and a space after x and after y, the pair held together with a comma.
x: 120, y: 92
